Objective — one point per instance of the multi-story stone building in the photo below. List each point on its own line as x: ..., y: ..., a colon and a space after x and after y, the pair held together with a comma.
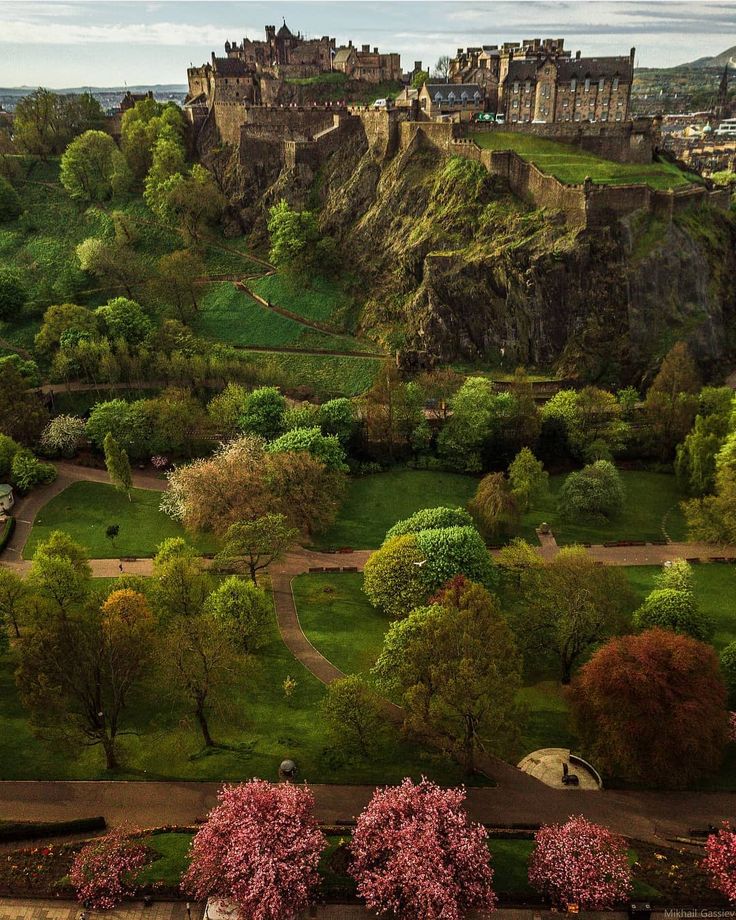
x: 371, y: 66
x: 538, y: 81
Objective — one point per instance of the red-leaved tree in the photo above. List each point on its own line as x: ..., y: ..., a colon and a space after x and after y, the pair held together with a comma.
x: 720, y: 861
x: 258, y: 849
x: 416, y: 854
x: 652, y: 707
x: 580, y: 863
x: 103, y: 872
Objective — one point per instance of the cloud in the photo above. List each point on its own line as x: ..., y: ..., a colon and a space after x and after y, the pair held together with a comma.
x: 26, y: 31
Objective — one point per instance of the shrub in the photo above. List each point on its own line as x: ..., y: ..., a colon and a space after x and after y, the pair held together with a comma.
x: 416, y: 855
x: 12, y: 294
x: 28, y: 471
x: 595, y: 491
x: 580, y: 863
x: 667, y: 608
x: 431, y: 519
x: 494, y: 506
x: 353, y: 712
x: 63, y: 435
x: 325, y: 448
x: 728, y: 669
x: 103, y: 872
x: 720, y: 861
x: 263, y: 413
x: 10, y: 206
x: 391, y: 576
x: 8, y: 449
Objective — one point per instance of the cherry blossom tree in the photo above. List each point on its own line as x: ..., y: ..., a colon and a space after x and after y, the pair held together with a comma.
x: 416, y: 855
x: 580, y: 863
x: 258, y: 849
x: 720, y: 861
x: 103, y: 872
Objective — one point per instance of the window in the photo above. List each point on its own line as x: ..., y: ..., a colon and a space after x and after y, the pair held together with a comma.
x: 573, y: 85
x: 527, y: 87
x: 565, y: 103
x: 515, y: 104
x: 451, y: 97
x: 615, y: 84
x: 601, y: 83
x: 587, y: 84
x: 438, y: 97
x: 516, y: 86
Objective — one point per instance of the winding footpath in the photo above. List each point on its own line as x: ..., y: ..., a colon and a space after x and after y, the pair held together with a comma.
x: 516, y: 797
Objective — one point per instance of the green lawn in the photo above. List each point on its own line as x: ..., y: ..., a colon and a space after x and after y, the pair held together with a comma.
x: 86, y: 509
x: 325, y: 375
x: 229, y: 315
x: 571, y: 165
x: 375, y: 503
x: 317, y: 300
x: 651, y: 508
x: 171, y: 861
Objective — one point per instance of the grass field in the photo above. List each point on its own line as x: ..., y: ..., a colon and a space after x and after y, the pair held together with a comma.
x: 86, y: 509
x: 253, y: 723
x: 571, y: 165
x: 375, y: 503
x: 319, y: 300
x: 651, y: 511
x: 325, y: 375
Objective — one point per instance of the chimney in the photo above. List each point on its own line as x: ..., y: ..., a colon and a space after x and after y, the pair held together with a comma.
x: 577, y: 55
x: 375, y: 50
x: 365, y: 49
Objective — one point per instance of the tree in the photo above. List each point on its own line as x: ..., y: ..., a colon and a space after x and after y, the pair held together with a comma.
x: 259, y: 542
x: 430, y: 519
x: 419, y: 79
x: 114, y: 264
x: 442, y: 68
x: 353, y: 712
x: 263, y: 413
x: 10, y: 206
x: 325, y: 448
x: 596, y: 491
x: 63, y: 435
x: 62, y: 318
x: 77, y: 672
x: 304, y: 490
x: 174, y: 282
x: 199, y: 659
x: 12, y: 294
x: 259, y: 849
x: 22, y: 415
x: 104, y: 870
x: 515, y: 558
x: 528, y: 479
x: 591, y: 420
x: 180, y: 586
x: 118, y: 466
x: 45, y: 121
x: 111, y: 532
x: 14, y: 596
x: 92, y: 167
x: 720, y: 861
x: 297, y: 246
x: 124, y: 421
x: 570, y: 604
x: 713, y: 519
x: 226, y: 408
x: 671, y: 401
x: 651, y: 708
x: 466, y: 433
x: 580, y: 863
x: 124, y: 319
x: 525, y: 422
x: 27, y: 471
x: 60, y: 572
x: 392, y: 413
x: 168, y: 160
x: 337, y: 417
x: 728, y: 668
x: 668, y: 608
x: 243, y: 609
x: 455, y: 667
x: 417, y: 856
x: 191, y: 202
x: 8, y: 449
x: 140, y: 129
x: 494, y: 507
x: 695, y: 462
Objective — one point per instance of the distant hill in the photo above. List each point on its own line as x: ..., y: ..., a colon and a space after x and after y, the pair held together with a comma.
x: 155, y: 87
x: 719, y: 60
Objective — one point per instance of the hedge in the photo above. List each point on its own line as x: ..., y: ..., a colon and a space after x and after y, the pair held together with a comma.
x: 7, y: 532
x: 31, y: 830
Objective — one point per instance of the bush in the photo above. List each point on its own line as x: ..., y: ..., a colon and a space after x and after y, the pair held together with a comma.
x: 353, y: 713
x: 728, y: 669
x: 10, y: 206
x: 28, y: 471
x: 11, y: 831
x: 595, y: 491
x: 668, y: 608
x: 431, y: 519
x: 720, y: 861
x: 325, y: 448
x: 5, y: 534
x: 12, y: 294
x: 8, y: 449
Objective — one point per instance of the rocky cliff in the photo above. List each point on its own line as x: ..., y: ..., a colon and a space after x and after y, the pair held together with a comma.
x: 454, y: 268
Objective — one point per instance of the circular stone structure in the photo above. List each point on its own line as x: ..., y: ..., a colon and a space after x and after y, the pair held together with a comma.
x: 547, y: 765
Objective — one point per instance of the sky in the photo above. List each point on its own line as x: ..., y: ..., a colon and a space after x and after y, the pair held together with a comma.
x: 69, y: 43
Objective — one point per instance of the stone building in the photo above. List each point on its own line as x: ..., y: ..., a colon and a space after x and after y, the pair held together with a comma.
x: 449, y: 98
x: 538, y: 81
x: 371, y: 66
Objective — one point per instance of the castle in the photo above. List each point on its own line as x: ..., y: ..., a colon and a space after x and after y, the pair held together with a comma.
x: 253, y: 72
x: 538, y: 81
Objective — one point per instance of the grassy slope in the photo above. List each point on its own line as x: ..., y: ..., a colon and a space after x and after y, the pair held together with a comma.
x: 375, y: 503
x: 319, y: 301
x: 571, y: 165
x: 651, y: 501
x: 86, y: 509
x: 325, y: 375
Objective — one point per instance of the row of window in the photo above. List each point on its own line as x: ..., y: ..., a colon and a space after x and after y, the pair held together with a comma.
x: 452, y: 98
x: 573, y: 85
x: 578, y: 117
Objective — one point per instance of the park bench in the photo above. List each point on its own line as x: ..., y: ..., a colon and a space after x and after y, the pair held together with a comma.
x: 332, y: 568
x: 350, y: 568
x: 316, y: 569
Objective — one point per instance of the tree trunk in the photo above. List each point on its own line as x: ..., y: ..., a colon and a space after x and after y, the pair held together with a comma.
x: 468, y: 748
x: 252, y: 567
x: 111, y: 761
x: 566, y: 671
x: 15, y: 626
x: 202, y: 719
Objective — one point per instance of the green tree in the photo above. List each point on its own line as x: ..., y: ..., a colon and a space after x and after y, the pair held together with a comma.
x: 728, y: 669
x: 465, y: 435
x: 61, y: 318
x: 591, y: 419
x: 141, y: 127
x: 125, y: 421
x: 10, y: 206
x: 13, y: 294
x: 174, y: 283
x: 353, y: 712
x: 713, y: 519
x: 263, y: 413
x: 226, y: 408
x: 494, y: 507
x: 668, y: 608
x: 191, y: 202
x: 430, y: 519
x: 45, y: 121
x: 695, y: 462
x: 244, y: 609
x: 256, y: 543
x: 325, y: 448
x: 296, y: 244
x: 14, y: 599
x: 671, y: 401
x: 27, y: 471
x: 596, y: 491
x: 337, y: 416
x: 114, y: 264
x: 92, y: 167
x: 392, y: 577
x: 569, y: 605
x: 179, y: 586
x: 8, y: 449
x: 118, y: 466
x: 456, y: 669
x: 168, y: 159
x: 528, y: 479
x: 419, y: 79
x: 60, y: 572
x: 22, y: 415
x: 124, y: 319
x: 392, y: 413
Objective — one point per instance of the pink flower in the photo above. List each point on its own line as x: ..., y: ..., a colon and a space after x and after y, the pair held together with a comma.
x: 415, y: 854
x: 580, y: 863
x: 720, y: 860
x: 259, y: 849
x: 103, y: 872
x: 732, y: 726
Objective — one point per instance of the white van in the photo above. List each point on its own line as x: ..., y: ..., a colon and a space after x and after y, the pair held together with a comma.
x: 380, y: 104
x: 500, y: 118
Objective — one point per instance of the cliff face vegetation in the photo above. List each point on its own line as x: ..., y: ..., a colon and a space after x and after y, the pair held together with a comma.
x: 454, y: 268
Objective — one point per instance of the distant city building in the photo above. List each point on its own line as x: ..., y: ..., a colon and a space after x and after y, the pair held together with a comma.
x: 448, y: 98
x: 538, y: 81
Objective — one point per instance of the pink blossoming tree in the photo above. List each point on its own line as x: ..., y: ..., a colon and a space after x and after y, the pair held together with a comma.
x: 416, y: 854
x: 103, y: 872
x: 580, y: 863
x: 732, y: 726
x: 259, y: 849
x: 720, y: 861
